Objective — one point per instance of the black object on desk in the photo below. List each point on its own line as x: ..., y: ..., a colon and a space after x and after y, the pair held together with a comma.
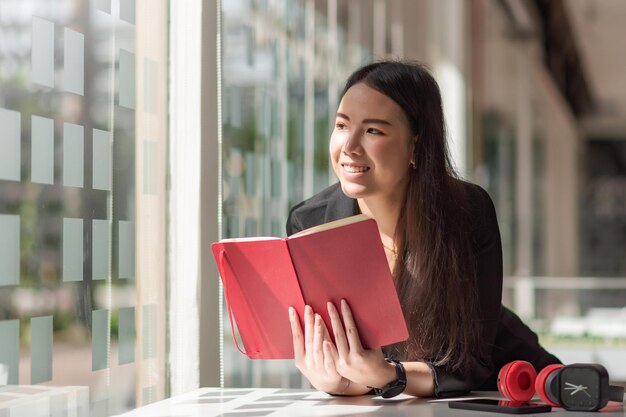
x: 501, y: 406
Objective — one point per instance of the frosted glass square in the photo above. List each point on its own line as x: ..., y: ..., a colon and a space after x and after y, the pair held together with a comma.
x: 72, y: 249
x: 100, y: 242
x: 99, y: 338
x: 127, y: 10
x: 42, y: 58
x: 127, y: 79
x: 126, y: 335
x: 9, y: 249
x: 10, y: 144
x: 101, y: 160
x: 150, y: 150
x: 149, y: 85
x: 42, y: 150
x: 41, y: 349
x: 9, y: 351
x: 73, y: 155
x: 74, y: 61
x: 126, y: 247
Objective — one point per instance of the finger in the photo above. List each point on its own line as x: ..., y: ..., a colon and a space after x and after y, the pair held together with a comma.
x: 329, y: 358
x: 352, y: 333
x: 333, y: 351
x: 309, y: 321
x: 296, y: 333
x: 329, y: 341
x: 318, y: 339
x: 329, y: 347
x: 338, y: 331
x: 326, y: 332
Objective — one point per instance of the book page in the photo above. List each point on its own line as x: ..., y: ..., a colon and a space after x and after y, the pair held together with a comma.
x: 331, y: 225
x: 349, y: 262
x: 249, y: 239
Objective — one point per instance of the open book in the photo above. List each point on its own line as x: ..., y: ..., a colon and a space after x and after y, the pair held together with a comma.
x: 263, y: 276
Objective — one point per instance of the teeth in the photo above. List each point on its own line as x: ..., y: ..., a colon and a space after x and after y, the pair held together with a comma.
x: 352, y: 168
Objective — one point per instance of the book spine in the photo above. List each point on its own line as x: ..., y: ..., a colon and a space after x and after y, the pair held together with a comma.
x: 223, y: 260
x: 295, y: 274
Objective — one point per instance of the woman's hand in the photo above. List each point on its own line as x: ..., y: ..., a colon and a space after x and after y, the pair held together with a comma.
x: 364, y: 366
x: 312, y: 352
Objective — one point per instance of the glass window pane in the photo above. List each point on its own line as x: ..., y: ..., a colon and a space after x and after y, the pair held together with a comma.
x: 82, y: 246
x: 279, y: 95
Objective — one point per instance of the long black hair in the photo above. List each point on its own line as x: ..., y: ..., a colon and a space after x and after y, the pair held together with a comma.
x: 435, y: 273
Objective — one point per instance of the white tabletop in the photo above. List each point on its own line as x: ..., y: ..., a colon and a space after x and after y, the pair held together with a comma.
x: 269, y: 402
x: 43, y: 401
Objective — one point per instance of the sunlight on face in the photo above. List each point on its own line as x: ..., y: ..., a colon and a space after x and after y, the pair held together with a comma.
x: 370, y: 147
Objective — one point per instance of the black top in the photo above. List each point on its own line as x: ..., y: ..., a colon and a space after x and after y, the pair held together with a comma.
x: 504, y: 337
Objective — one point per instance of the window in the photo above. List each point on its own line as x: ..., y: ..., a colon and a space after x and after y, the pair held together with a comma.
x: 284, y: 66
x: 83, y: 112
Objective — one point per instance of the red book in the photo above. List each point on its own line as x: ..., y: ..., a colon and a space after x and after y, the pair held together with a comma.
x: 262, y: 277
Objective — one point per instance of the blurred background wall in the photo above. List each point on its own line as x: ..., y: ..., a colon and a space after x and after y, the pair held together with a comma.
x: 535, y: 104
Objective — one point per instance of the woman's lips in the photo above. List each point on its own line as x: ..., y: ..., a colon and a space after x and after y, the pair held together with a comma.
x: 355, y: 168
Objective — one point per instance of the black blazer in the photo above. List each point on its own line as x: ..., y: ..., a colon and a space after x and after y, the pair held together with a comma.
x: 504, y: 336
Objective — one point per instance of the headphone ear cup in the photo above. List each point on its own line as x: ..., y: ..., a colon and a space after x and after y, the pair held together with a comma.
x: 516, y: 381
x: 545, y: 384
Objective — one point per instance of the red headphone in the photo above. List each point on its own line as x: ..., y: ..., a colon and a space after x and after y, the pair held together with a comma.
x: 556, y: 384
x: 519, y: 381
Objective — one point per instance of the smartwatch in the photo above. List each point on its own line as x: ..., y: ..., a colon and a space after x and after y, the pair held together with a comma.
x: 585, y: 387
x: 395, y: 387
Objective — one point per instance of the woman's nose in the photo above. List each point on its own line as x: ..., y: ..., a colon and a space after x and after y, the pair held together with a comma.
x: 352, y: 144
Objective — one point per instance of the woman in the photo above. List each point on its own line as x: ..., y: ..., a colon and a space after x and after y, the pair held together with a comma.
x: 441, y: 238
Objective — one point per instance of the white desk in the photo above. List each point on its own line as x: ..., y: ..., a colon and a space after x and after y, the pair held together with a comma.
x: 43, y: 401
x: 267, y: 402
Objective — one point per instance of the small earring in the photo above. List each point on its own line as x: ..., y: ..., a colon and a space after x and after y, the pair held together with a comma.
x: 412, y: 163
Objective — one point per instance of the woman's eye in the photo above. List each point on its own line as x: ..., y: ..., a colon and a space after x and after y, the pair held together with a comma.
x: 374, y: 131
x: 340, y: 126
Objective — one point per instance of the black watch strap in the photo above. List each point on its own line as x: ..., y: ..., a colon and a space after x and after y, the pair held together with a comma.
x: 395, y: 387
x: 616, y: 393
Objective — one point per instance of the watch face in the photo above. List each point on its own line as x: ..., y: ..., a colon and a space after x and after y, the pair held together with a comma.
x: 580, y: 388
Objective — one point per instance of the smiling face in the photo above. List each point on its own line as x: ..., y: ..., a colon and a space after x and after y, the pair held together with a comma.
x: 371, y: 147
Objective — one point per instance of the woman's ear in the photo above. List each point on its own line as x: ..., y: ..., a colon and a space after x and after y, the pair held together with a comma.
x: 412, y: 147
